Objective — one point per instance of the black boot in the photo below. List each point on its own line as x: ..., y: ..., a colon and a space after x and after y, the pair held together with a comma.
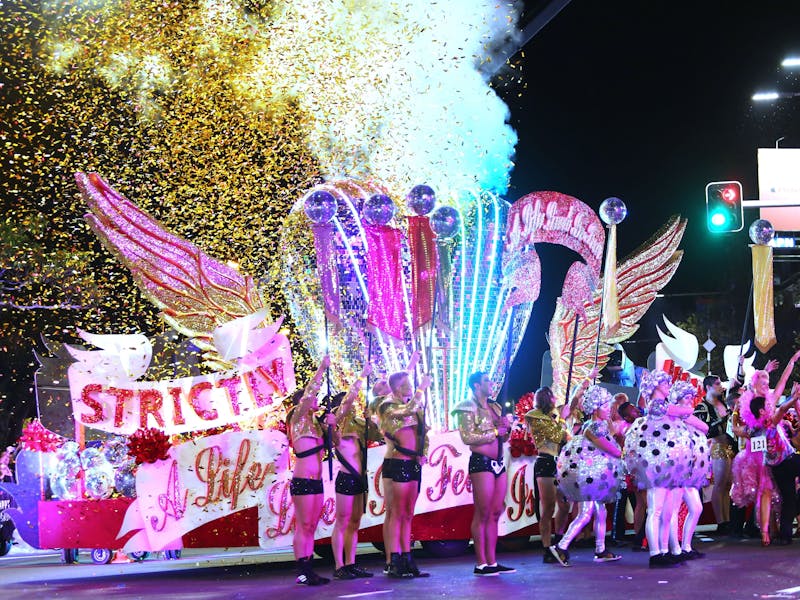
x: 343, y: 573
x: 411, y: 566
x: 751, y: 529
x: 306, y: 575
x: 358, y: 571
x: 737, y: 522
x: 397, y: 567
x: 662, y: 561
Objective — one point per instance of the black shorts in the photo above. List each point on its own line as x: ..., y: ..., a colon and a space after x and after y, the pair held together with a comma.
x: 478, y: 463
x: 348, y: 484
x: 388, y: 467
x: 545, y: 466
x: 305, y: 487
x: 401, y: 471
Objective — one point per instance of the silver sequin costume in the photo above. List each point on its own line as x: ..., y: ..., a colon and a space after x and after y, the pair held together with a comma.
x: 659, y: 449
x: 586, y: 473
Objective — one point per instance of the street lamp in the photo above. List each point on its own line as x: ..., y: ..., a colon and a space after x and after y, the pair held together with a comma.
x: 772, y: 96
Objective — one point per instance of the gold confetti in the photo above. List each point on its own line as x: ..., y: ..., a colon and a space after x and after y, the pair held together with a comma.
x: 215, y: 116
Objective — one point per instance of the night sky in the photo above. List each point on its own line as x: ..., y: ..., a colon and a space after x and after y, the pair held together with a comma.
x: 650, y: 101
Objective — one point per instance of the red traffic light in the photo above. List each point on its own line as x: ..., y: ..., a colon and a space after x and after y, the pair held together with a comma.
x: 730, y: 194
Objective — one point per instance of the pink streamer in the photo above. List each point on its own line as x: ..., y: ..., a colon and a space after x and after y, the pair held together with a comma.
x: 327, y: 272
x: 384, y: 282
x: 422, y: 246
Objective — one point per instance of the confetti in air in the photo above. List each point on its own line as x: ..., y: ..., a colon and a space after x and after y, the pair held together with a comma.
x: 215, y: 116
x: 393, y: 88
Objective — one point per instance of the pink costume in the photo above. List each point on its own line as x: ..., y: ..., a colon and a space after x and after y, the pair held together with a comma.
x: 751, y: 476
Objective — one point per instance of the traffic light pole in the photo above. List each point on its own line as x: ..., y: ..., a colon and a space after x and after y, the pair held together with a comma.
x: 768, y: 203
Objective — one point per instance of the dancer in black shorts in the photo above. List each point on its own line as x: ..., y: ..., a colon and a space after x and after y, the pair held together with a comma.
x: 549, y: 433
x: 307, y: 439
x: 402, y: 418
x: 484, y: 430
x: 351, y: 482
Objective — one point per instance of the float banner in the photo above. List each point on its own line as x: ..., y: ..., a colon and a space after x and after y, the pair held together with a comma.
x: 327, y: 272
x: 443, y: 279
x: 611, y: 321
x: 445, y: 484
x: 186, y: 404
x: 386, y: 309
x: 763, y: 302
x: 202, y: 480
x: 424, y: 261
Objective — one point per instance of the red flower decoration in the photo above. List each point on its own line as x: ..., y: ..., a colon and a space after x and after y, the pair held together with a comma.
x: 520, y: 443
x: 148, y: 445
x: 515, y: 444
x: 523, y: 405
x: 38, y: 438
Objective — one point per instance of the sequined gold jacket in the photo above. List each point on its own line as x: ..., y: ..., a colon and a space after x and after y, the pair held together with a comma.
x: 477, y: 425
x: 396, y: 415
x: 304, y: 424
x: 348, y: 424
x: 545, y: 428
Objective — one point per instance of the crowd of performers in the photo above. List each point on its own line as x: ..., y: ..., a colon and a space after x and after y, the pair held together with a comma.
x: 594, y: 452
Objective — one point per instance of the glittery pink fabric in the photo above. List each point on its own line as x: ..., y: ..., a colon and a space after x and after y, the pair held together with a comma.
x: 751, y: 478
x: 422, y: 246
x: 384, y: 282
x: 557, y: 219
x: 327, y: 271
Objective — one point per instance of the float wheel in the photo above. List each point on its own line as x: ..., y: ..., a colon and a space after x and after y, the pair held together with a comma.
x: 139, y: 556
x: 172, y: 554
x: 101, y: 556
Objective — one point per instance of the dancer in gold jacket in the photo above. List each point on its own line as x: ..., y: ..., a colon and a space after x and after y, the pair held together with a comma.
x: 485, y: 430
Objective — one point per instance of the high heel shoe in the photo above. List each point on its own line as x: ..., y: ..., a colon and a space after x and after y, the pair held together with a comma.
x: 765, y: 541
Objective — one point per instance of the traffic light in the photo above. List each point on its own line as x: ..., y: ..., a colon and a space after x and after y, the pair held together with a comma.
x: 724, y: 206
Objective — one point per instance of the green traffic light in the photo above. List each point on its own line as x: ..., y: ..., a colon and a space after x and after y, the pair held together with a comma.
x: 718, y: 219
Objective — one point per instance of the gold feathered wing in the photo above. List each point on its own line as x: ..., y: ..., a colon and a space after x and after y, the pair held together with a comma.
x: 194, y: 292
x: 640, y: 276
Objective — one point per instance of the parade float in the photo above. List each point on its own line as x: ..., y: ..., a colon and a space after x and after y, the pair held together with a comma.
x: 219, y: 117
x: 203, y: 461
